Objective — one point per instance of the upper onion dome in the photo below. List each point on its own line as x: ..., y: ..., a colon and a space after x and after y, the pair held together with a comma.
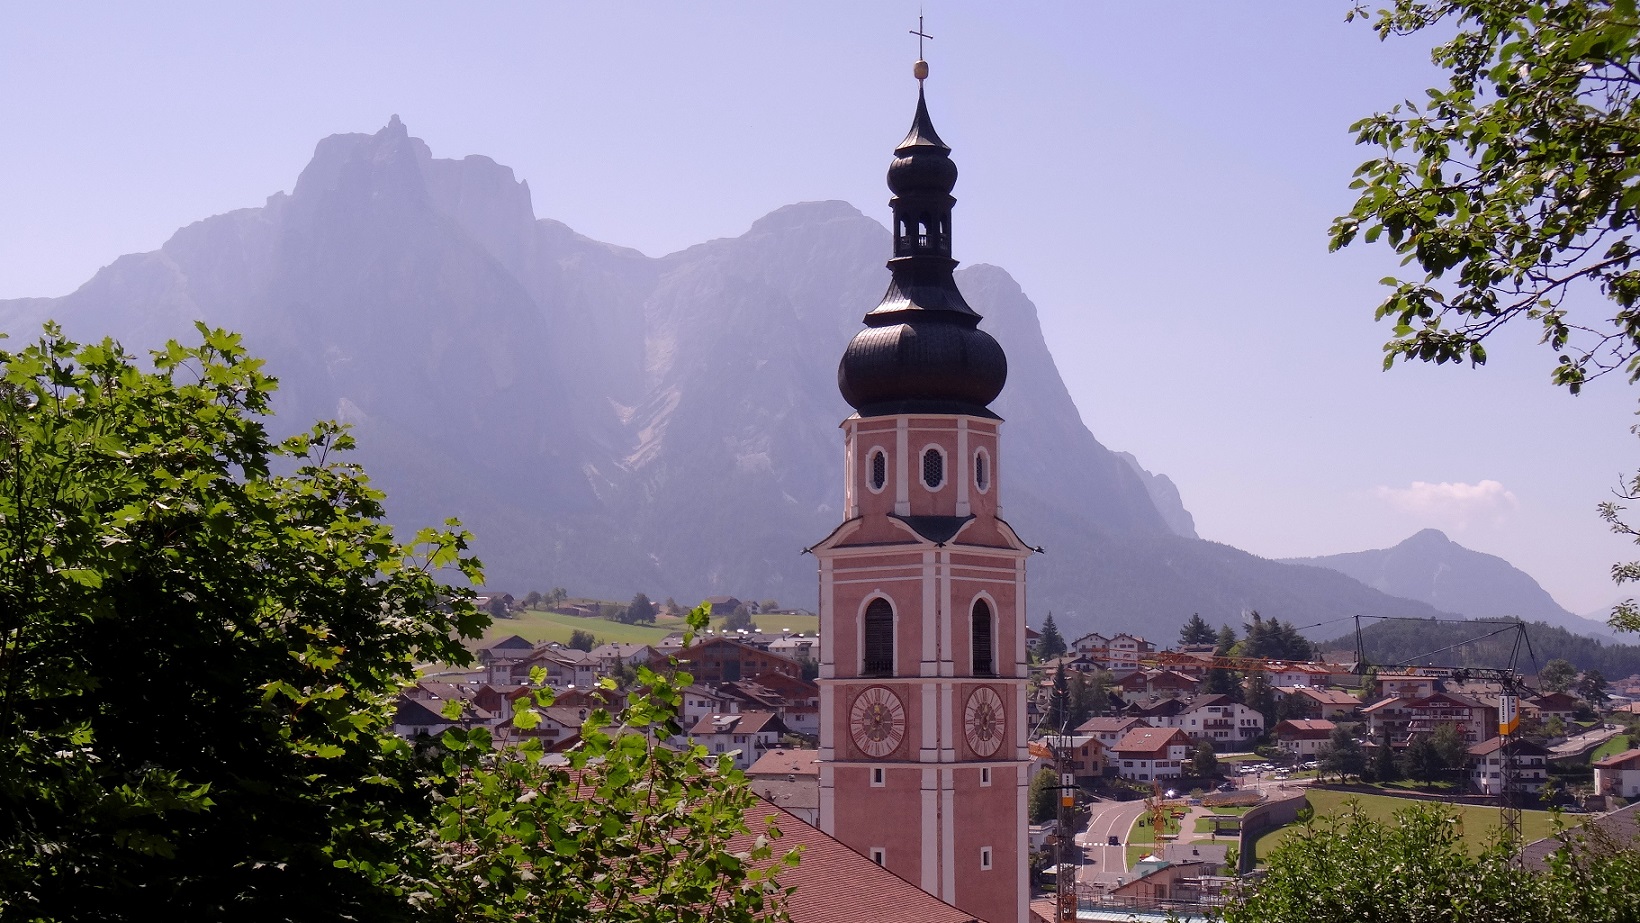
x: 922, y: 351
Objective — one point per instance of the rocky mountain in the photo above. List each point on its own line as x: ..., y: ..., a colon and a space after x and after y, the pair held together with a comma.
x: 1431, y: 568
x: 611, y: 422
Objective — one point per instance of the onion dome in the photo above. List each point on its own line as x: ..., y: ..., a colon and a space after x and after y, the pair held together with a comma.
x: 922, y: 350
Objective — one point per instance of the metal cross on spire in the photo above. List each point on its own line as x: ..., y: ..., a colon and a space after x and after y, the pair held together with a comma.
x: 920, y: 34
x: 922, y: 66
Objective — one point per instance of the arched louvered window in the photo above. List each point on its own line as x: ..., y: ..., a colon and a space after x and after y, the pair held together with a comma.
x: 983, y: 660
x: 879, y: 469
x: 879, y: 652
x: 982, y: 471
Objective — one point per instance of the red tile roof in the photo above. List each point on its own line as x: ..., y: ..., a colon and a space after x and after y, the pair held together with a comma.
x: 835, y: 884
x: 1149, y: 740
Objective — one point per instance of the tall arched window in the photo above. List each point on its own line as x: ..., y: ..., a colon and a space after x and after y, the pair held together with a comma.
x: 879, y: 647
x: 982, y: 639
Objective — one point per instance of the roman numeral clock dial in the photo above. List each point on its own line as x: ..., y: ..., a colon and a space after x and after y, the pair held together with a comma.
x: 877, y: 721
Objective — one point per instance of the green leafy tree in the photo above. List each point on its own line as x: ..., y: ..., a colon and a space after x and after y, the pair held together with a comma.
x: 1557, y: 675
x: 628, y: 830
x: 1384, y: 768
x: 1515, y: 191
x: 739, y: 620
x: 1261, y: 697
x: 1421, y: 761
x: 1043, y: 796
x: 581, y: 640
x: 1197, y: 631
x: 1204, y: 763
x: 1342, y: 753
x: 532, y: 599
x: 1051, y: 643
x: 1450, y: 746
x: 200, y: 630
x: 639, y: 611
x: 768, y: 605
x: 1591, y: 688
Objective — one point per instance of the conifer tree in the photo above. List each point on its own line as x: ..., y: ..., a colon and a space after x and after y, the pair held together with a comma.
x: 1051, y: 643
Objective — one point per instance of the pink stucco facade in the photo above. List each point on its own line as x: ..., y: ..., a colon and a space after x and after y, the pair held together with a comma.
x: 937, y: 789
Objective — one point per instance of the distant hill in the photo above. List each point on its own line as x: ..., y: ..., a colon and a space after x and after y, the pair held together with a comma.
x: 1428, y: 643
x: 610, y: 422
x: 1431, y: 568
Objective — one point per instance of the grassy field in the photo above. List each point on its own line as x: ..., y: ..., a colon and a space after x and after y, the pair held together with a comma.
x: 540, y: 626
x: 1478, y: 823
x: 1618, y: 744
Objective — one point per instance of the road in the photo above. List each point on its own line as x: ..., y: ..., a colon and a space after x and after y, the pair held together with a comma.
x: 1102, y: 862
x: 1585, y: 742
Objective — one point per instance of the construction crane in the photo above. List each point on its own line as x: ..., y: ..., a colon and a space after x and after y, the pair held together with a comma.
x: 1511, y: 688
x: 1056, y: 747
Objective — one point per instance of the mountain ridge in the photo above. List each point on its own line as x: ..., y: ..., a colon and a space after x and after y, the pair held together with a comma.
x: 613, y: 422
x: 1429, y: 567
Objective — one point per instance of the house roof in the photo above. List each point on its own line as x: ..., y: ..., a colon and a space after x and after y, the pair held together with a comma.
x: 1149, y: 740
x: 1519, y: 748
x: 786, y: 761
x: 791, y: 794
x: 1322, y: 696
x: 1303, y: 728
x: 1623, y: 825
x: 1445, y: 698
x: 1394, y: 701
x: 1110, y: 725
x: 835, y: 884
x: 1617, y: 760
x: 746, y: 722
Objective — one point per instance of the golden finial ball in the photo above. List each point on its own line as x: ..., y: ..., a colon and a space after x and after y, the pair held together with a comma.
x: 920, y: 70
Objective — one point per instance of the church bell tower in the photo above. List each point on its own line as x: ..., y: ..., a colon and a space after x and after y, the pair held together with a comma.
x: 923, y: 765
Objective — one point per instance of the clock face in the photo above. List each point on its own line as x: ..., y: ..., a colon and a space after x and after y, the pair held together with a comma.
x: 983, y: 721
x: 877, y: 721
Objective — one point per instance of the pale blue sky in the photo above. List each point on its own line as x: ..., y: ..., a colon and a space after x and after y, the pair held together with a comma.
x: 1158, y: 176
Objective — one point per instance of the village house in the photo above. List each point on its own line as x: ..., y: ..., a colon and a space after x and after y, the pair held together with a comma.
x: 1392, y: 715
x: 1474, y: 720
x: 790, y: 778
x: 1486, y: 766
x: 1093, y: 645
x: 1618, y: 775
x: 1144, y: 686
x: 1316, y: 701
x: 498, y: 659
x: 1302, y: 738
x: 1109, y: 730
x: 1126, y: 651
x: 1404, y: 685
x: 1220, y: 719
x: 1147, y: 754
x: 721, y: 660
x: 747, y: 735
x: 612, y: 654
x: 1551, y: 705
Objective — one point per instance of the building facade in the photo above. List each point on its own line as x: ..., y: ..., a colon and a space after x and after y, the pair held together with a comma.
x: 923, y: 762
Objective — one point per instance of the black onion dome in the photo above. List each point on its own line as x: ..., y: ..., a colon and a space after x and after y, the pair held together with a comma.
x: 922, y: 351
x: 922, y: 365
x: 924, y: 165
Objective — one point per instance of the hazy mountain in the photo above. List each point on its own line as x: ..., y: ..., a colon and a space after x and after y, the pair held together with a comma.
x: 1164, y: 494
x: 611, y: 422
x: 1432, y: 568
